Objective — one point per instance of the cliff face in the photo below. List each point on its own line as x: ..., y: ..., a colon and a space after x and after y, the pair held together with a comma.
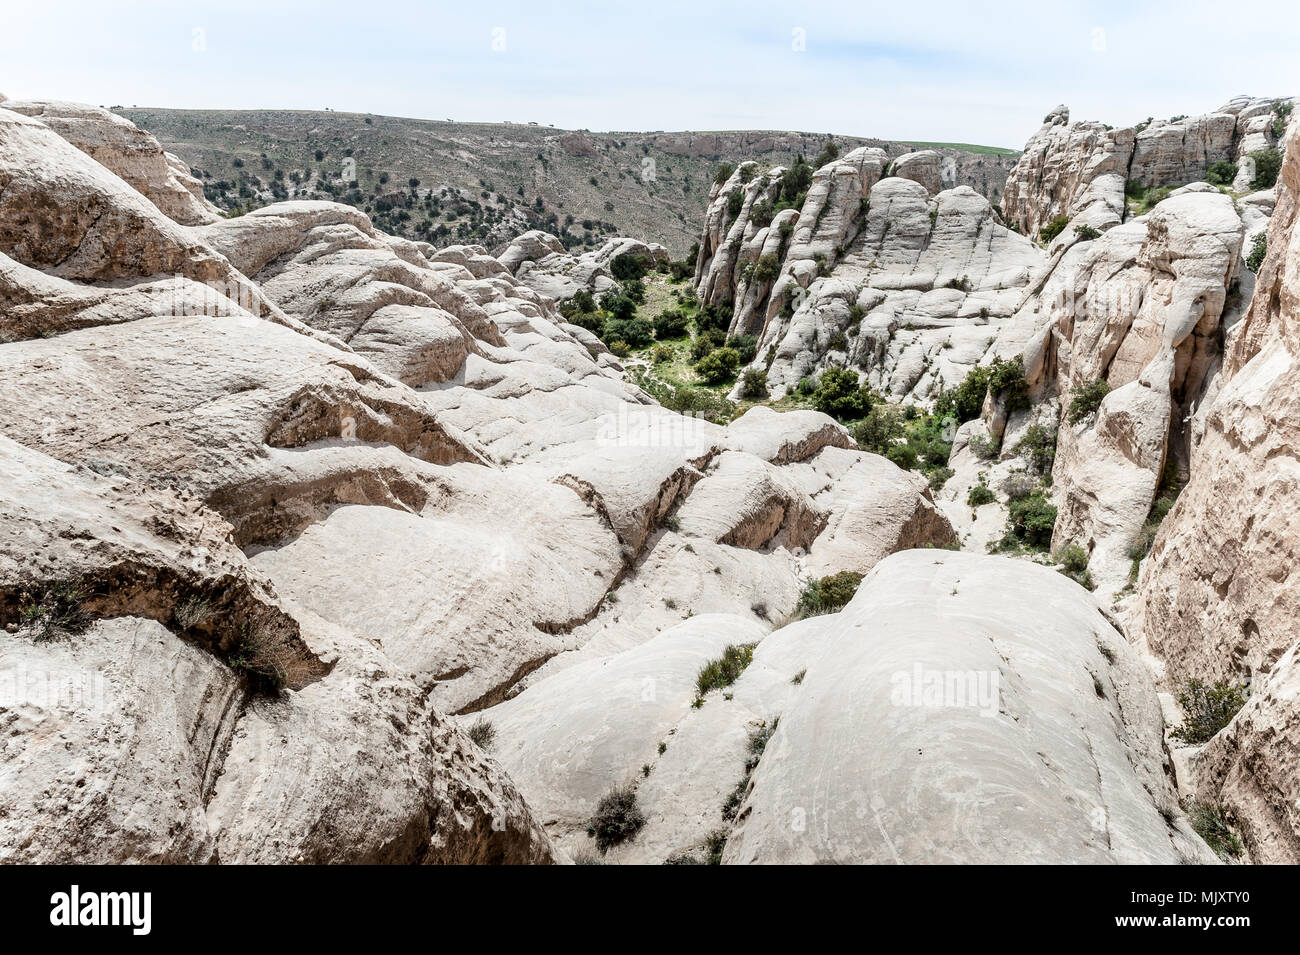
x: 282, y: 495
x: 1081, y: 170
x: 877, y: 269
x: 1219, y: 596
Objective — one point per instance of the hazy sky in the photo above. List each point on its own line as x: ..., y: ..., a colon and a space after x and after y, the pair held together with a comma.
x: 899, y: 70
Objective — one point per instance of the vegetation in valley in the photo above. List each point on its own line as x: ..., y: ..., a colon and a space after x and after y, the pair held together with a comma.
x: 1207, y: 708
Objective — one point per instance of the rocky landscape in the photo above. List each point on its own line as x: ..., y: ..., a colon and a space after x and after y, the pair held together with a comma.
x: 487, y: 182
x: 320, y: 544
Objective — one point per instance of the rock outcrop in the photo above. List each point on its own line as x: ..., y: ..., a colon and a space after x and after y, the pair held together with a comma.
x: 1217, y: 598
x: 285, y: 491
x: 540, y: 261
x: 960, y: 709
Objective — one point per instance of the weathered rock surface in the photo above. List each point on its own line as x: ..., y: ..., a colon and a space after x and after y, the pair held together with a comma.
x: 393, y: 465
x: 130, y: 152
x: 1061, y: 759
x: 540, y: 261
x: 1217, y: 598
x: 966, y: 709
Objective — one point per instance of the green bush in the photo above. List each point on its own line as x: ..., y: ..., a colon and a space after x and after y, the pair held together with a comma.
x: 718, y: 366
x: 627, y: 266
x: 1073, y: 558
x: 1258, y: 249
x: 618, y: 304
x: 939, y: 477
x: 636, y: 332
x: 1086, y: 398
x: 671, y: 323
x: 904, y: 455
x: 828, y: 594
x: 1007, y: 382
x: 1221, y: 173
x: 964, y: 402
x: 1211, y: 825
x: 767, y: 268
x: 725, y: 670
x: 745, y: 345
x: 980, y: 494
x: 1207, y: 709
x: 838, y: 342
x: 1086, y: 233
x: 829, y: 153
x: 839, y: 395
x: 55, y: 613
x: 1038, y: 446
x: 723, y: 172
x: 1030, y: 521
x: 735, y: 202
x: 620, y: 349
x: 880, y: 430
x: 753, y: 384
x: 1054, y: 228
x: 713, y: 317
x: 617, y: 818
x: 1268, y: 163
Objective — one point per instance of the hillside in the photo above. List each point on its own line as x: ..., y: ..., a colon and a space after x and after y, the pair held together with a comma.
x: 487, y: 182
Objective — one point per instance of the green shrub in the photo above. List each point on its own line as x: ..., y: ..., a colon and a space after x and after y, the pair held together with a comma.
x: 880, y: 430
x: 828, y: 594
x: 1086, y: 233
x: 723, y: 172
x: 671, y: 323
x: 718, y: 366
x: 735, y: 202
x: 627, y: 266
x: 1268, y: 163
x: 1207, y: 709
x: 829, y: 152
x: 1038, y: 446
x: 1073, y: 558
x: 725, y: 670
x: 1054, y: 228
x: 618, y: 304
x: 1221, y: 173
x: 713, y: 317
x: 758, y: 741
x: 1086, y: 398
x: 636, y: 332
x: 1007, y: 382
x: 904, y: 455
x: 745, y: 345
x: 706, y: 342
x: 620, y: 349
x: 753, y: 384
x: 939, y: 477
x: 1030, y: 521
x: 55, y: 613
x: 617, y: 818
x: 838, y: 342
x: 761, y: 213
x: 839, y: 395
x: 662, y: 354
x: 980, y: 494
x: 981, y: 445
x: 1258, y: 249
x: 767, y: 268
x: 1211, y: 825
x: 964, y: 402
x: 806, y: 386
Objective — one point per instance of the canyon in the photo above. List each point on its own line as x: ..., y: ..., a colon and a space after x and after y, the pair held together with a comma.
x: 322, y: 544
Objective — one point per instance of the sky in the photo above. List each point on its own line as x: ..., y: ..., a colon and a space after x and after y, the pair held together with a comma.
x: 928, y: 71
